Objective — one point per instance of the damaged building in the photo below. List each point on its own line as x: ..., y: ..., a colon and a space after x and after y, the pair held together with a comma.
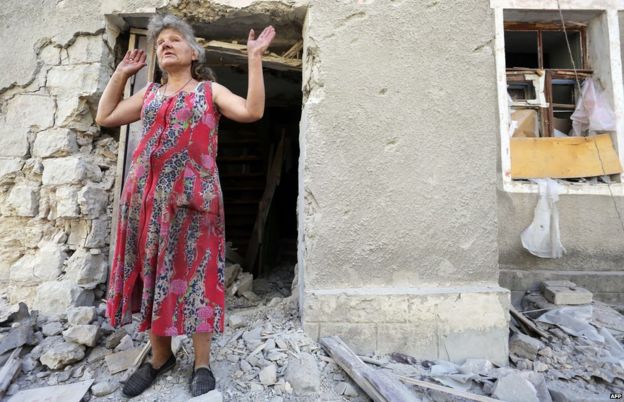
x: 352, y: 179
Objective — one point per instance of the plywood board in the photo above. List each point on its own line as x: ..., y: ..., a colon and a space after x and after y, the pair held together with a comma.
x: 561, y: 158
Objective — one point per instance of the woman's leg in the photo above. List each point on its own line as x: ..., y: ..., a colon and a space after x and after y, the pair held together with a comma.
x: 161, y: 349
x: 201, y: 344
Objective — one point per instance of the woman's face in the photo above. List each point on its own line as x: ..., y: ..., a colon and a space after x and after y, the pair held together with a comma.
x: 173, y: 51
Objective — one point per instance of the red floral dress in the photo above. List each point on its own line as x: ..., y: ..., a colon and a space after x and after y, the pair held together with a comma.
x: 170, y: 250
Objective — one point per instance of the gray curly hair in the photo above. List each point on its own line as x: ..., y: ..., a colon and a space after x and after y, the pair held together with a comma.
x: 199, y: 69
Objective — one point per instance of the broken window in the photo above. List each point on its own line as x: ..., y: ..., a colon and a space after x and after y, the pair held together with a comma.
x: 542, y: 69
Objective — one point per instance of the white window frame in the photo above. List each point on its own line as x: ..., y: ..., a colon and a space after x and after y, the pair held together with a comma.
x: 610, y: 9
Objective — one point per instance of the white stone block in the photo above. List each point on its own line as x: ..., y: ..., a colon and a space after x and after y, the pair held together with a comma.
x: 86, y: 269
x: 50, y: 55
x: 99, y: 234
x: 73, y: 112
x: 87, y: 49
x: 78, y: 232
x: 55, y: 142
x: 45, y: 265
x: 93, y: 201
x: 56, y: 296
x: 77, y: 80
x: 82, y: 315
x: 67, y: 202
x: 24, y: 199
x: 69, y: 170
x: 9, y: 167
x: 23, y: 113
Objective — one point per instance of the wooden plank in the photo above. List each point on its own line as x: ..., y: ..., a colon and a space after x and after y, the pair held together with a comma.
x: 560, y: 158
x: 273, y: 180
x: 10, y: 369
x: 527, y: 323
x: 466, y: 395
x: 380, y: 386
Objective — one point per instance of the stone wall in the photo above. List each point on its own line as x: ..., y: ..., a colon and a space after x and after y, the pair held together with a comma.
x: 56, y: 168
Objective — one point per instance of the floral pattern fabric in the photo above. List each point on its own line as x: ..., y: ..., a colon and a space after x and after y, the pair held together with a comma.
x: 170, y: 249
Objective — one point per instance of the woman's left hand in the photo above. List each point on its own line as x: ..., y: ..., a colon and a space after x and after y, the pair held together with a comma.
x: 257, y: 46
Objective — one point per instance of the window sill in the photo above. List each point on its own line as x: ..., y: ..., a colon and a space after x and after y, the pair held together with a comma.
x: 617, y: 189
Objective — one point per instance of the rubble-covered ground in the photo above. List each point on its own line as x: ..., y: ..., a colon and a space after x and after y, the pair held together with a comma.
x: 263, y: 355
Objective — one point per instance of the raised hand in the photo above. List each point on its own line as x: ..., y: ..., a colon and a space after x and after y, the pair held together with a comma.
x: 133, y: 61
x: 257, y: 46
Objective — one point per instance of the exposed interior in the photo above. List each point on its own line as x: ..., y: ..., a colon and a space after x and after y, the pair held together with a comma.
x: 257, y: 162
x: 548, y: 61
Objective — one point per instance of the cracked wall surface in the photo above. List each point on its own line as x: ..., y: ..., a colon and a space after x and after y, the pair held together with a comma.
x: 56, y: 167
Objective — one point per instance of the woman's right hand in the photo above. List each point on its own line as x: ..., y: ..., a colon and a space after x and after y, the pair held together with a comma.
x: 133, y: 61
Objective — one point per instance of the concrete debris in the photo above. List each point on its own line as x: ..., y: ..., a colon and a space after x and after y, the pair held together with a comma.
x: 524, y: 346
x: 303, y: 373
x: 268, y: 375
x: 62, y: 354
x: 82, y: 334
x: 565, y: 292
x: 104, y: 388
x: 514, y: 388
x: 212, y: 396
x: 124, y: 344
x: 80, y: 315
x: 264, y: 354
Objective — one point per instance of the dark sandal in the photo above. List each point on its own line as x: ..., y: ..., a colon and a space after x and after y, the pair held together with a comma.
x: 145, y: 375
x: 202, y: 381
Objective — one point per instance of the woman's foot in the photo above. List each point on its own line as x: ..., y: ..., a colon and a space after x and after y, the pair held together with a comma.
x: 145, y: 375
x: 202, y: 381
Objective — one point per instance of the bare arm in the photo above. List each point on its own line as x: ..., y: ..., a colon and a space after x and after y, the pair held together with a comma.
x: 113, y: 110
x: 250, y: 109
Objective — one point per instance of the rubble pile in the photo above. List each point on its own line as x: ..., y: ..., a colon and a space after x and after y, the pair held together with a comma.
x: 264, y: 354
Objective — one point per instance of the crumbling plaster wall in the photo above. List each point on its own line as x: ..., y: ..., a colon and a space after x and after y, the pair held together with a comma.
x: 591, y: 230
x: 56, y: 167
x: 397, y: 200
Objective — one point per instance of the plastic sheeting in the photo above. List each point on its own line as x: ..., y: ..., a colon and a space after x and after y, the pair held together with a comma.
x: 593, y: 113
x: 542, y: 237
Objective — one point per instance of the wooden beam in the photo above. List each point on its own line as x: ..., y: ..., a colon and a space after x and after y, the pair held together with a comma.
x: 10, y: 369
x: 380, y: 386
x: 466, y: 395
x: 528, y: 324
x: 561, y: 158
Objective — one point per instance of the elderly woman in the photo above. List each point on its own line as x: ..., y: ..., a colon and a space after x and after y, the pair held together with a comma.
x: 170, y: 250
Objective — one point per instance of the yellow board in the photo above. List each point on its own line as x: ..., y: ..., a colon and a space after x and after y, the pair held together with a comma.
x: 562, y: 158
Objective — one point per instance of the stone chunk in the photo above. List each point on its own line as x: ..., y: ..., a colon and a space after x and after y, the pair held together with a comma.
x: 303, y: 374
x: 86, y: 269
x: 73, y: 112
x: 45, y: 265
x: 525, y: 346
x: 62, y: 354
x: 565, y: 292
x: 9, y: 167
x: 55, y: 142
x: 83, y: 334
x: 23, y: 113
x: 56, y: 296
x: 113, y: 339
x: 268, y: 375
x: 68, y: 170
x: 24, y: 199
x: 104, y: 388
x: 81, y: 315
x: 93, y: 201
x: 514, y: 388
x: 52, y: 328
x: 125, y: 344
x: 16, y: 337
